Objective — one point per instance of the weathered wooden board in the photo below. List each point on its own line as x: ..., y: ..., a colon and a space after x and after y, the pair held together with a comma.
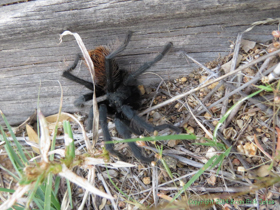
x: 30, y: 55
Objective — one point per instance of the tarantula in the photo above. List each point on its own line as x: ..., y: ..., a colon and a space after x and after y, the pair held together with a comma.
x: 123, y: 96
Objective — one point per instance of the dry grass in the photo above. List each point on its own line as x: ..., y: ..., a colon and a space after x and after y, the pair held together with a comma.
x: 246, y: 178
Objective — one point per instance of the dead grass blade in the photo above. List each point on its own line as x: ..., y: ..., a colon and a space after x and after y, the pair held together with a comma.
x: 92, y: 73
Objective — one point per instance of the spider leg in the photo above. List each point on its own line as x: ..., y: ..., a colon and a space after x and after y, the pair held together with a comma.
x: 109, y: 62
x: 147, y: 65
x: 124, y: 130
x: 79, y: 102
x: 72, y: 77
x: 106, y: 133
x: 131, y: 115
x: 90, y: 119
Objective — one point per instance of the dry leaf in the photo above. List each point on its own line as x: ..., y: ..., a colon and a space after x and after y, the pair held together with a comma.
x: 190, y: 130
x: 212, y: 86
x: 212, y: 180
x: 229, y: 133
x: 207, y: 116
x: 33, y: 137
x: 53, y: 118
x: 250, y: 149
x: 247, y: 45
x: 240, y: 123
x: 183, y: 79
x: 226, y: 67
x: 236, y: 162
x: 263, y: 170
x: 202, y: 79
x: 210, y: 152
x: 146, y: 180
x: 142, y: 89
x: 173, y: 142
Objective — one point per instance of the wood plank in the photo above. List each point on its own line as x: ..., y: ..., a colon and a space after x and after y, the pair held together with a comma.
x: 30, y: 54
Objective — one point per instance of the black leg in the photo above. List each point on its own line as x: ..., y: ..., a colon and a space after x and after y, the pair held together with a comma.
x: 124, y: 131
x: 106, y: 133
x: 109, y: 62
x: 89, y: 120
x: 131, y: 115
x: 70, y: 76
x: 147, y: 65
x: 133, y: 128
x: 79, y: 102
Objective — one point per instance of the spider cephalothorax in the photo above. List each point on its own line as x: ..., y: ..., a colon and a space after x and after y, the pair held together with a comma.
x: 123, y: 96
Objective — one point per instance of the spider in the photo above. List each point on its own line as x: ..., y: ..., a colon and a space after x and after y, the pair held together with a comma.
x: 123, y: 96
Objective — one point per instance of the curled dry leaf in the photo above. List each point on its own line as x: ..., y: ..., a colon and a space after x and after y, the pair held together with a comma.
x: 51, y: 120
x: 229, y: 133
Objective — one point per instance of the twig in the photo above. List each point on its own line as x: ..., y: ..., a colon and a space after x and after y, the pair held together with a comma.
x: 233, y: 113
x: 214, y: 81
x: 155, y: 185
x: 209, y: 71
x: 236, y: 90
x: 232, y: 67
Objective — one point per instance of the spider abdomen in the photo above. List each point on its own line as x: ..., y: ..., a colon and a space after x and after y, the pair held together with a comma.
x: 98, y: 58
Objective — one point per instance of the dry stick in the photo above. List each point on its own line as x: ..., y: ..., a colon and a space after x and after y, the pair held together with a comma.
x: 215, y: 80
x: 233, y: 113
x: 198, y: 107
x: 244, y: 128
x: 210, y: 189
x: 200, y: 65
x: 232, y: 67
x: 202, y: 104
x: 236, y: 90
x: 155, y: 184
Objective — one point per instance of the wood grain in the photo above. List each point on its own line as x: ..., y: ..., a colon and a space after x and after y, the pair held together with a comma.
x: 30, y: 56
